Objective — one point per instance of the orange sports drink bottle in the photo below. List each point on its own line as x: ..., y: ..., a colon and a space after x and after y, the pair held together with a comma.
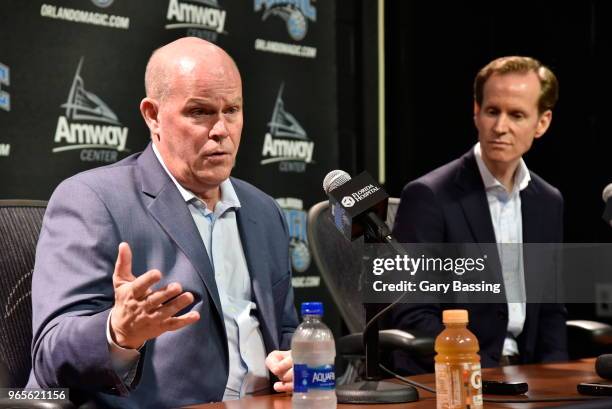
x: 458, y: 378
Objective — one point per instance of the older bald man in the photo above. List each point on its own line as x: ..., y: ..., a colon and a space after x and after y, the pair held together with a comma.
x: 161, y: 281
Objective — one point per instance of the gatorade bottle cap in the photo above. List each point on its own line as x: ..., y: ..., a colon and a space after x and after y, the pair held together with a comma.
x: 455, y: 316
x: 312, y: 308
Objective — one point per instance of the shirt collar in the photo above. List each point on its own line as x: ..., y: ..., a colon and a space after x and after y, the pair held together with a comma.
x: 521, y: 176
x: 228, y: 199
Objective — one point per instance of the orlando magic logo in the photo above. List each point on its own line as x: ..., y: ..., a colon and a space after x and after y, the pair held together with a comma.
x: 102, y: 3
x: 298, y: 240
x: 75, y: 130
x: 287, y: 141
x: 5, y: 79
x: 295, y: 13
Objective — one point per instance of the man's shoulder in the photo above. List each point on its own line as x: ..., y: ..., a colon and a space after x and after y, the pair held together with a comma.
x: 441, y: 179
x: 544, y: 188
x: 109, y: 178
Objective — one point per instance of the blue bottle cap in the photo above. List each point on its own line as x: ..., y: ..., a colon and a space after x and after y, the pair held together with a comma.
x: 312, y: 308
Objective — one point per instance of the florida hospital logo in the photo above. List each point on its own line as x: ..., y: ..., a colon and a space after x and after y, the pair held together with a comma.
x: 348, y: 201
x: 201, y: 18
x: 286, y: 143
x: 89, y: 125
x: 5, y: 79
x: 295, y: 13
x: 297, y: 220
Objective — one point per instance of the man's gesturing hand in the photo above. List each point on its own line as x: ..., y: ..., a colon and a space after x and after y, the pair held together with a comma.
x: 140, y: 313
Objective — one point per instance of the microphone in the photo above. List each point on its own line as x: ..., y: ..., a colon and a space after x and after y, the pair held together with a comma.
x: 603, y: 365
x: 607, y: 198
x: 358, y: 206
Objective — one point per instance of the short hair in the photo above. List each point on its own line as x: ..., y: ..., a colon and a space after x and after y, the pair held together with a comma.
x: 549, y: 87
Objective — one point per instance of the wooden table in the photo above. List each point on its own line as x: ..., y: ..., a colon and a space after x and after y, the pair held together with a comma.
x: 545, y: 380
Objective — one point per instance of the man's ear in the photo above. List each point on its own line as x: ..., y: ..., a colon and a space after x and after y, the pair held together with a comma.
x: 543, y: 123
x: 476, y: 111
x: 150, y: 111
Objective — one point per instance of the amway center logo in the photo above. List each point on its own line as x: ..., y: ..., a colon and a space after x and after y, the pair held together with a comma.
x: 5, y: 79
x: 295, y: 13
x: 83, y: 126
x: 201, y: 18
x: 286, y: 142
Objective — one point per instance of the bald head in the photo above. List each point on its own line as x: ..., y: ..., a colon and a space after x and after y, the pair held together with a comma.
x: 180, y: 58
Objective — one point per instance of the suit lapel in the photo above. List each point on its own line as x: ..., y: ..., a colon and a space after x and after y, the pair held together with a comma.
x: 170, y: 211
x: 474, y: 200
x: 475, y: 207
x: 531, y: 213
x: 253, y: 240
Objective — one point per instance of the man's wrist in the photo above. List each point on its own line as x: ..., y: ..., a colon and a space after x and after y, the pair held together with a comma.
x: 119, y: 340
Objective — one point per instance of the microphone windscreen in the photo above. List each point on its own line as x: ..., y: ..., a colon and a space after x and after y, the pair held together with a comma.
x: 334, y: 179
x: 603, y: 366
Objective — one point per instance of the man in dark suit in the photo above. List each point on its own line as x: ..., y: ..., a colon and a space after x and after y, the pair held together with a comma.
x: 160, y: 281
x: 489, y: 196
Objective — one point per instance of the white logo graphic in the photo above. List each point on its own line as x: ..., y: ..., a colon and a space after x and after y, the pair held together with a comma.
x: 85, y: 16
x: 347, y: 201
x: 201, y: 18
x: 5, y: 149
x: 5, y: 79
x: 75, y: 131
x: 287, y: 141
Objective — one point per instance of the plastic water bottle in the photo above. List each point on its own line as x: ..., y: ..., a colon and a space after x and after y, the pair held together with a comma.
x: 458, y: 378
x: 313, y: 352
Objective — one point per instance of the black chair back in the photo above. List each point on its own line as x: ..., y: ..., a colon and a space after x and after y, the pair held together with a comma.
x: 339, y: 262
x: 20, y: 222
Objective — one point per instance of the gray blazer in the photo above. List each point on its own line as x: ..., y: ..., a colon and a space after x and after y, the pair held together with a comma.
x: 135, y: 201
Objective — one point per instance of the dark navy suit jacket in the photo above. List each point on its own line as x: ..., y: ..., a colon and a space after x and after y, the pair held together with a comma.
x: 449, y: 205
x: 135, y: 201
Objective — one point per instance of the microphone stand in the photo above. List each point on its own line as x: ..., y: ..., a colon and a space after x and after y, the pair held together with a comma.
x: 373, y: 389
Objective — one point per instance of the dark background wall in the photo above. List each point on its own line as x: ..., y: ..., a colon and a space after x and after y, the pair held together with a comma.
x: 434, y: 50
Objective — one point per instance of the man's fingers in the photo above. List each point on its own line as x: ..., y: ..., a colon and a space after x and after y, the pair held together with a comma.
x: 141, y: 285
x: 283, y: 386
x: 279, y: 362
x: 174, y: 323
x: 174, y: 306
x: 157, y: 298
x: 288, y: 376
x: 123, y: 266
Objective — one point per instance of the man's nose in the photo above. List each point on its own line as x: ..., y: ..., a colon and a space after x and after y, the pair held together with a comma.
x: 501, y: 124
x: 219, y: 130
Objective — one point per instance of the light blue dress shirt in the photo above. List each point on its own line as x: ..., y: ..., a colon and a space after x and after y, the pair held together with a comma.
x: 507, y: 221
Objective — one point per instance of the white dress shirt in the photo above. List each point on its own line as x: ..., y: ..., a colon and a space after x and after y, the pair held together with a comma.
x: 505, y: 208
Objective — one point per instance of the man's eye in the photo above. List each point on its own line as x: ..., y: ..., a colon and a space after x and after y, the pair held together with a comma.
x: 196, y: 111
x: 232, y: 110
